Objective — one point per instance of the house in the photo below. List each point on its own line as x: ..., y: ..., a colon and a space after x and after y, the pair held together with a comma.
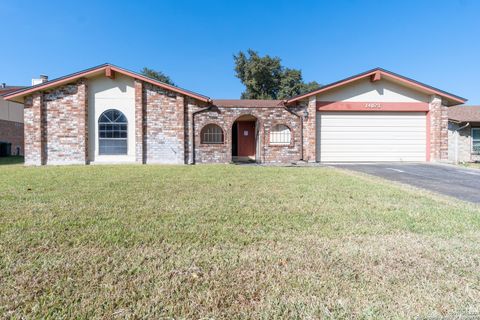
x: 11, y: 124
x: 107, y: 114
x: 464, y: 134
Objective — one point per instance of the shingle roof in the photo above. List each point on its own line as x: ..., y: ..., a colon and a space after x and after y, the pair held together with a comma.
x: 247, y: 103
x: 8, y: 89
x: 464, y: 113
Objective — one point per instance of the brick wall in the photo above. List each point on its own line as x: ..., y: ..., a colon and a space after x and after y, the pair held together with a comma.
x: 56, y: 127
x: 266, y: 119
x: 12, y: 132
x: 164, y: 125
x: 438, y: 130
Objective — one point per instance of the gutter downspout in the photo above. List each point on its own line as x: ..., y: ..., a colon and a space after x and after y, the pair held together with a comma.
x: 193, y: 131
x: 456, y: 140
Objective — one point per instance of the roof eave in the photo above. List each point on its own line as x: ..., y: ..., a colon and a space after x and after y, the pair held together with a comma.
x: 20, y: 94
x: 455, y: 99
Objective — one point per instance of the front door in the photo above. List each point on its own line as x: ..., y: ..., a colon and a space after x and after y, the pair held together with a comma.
x: 246, y: 138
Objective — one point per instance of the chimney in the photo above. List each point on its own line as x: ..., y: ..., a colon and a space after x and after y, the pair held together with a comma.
x: 4, y: 85
x: 43, y: 78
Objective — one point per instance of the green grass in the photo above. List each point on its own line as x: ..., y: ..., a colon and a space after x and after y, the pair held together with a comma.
x: 230, y: 242
x: 475, y: 165
x: 12, y: 160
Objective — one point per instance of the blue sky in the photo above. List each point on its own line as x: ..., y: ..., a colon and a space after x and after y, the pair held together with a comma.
x: 436, y: 42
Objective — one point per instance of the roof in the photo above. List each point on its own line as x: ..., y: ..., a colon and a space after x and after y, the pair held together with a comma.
x: 247, y: 103
x: 8, y: 89
x: 379, y: 72
x: 103, y: 68
x: 464, y: 113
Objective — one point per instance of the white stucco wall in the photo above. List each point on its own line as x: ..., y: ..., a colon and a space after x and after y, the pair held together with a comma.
x: 11, y: 111
x: 104, y: 94
x: 364, y: 90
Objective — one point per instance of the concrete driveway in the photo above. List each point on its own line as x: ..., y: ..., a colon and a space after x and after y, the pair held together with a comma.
x: 449, y: 180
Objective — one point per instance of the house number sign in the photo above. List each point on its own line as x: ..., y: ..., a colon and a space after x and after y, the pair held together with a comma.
x: 373, y: 105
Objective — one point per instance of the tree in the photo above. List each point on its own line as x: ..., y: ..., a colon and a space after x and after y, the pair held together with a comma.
x: 266, y: 78
x: 157, y: 75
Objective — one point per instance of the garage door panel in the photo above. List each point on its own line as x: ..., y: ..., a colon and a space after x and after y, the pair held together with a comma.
x: 384, y: 122
x: 374, y: 148
x: 371, y: 136
x: 370, y: 158
x: 369, y: 129
x: 382, y: 135
x: 385, y: 142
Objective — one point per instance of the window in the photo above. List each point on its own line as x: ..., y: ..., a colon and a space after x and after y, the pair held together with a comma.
x: 280, y: 134
x: 476, y: 140
x: 112, y: 133
x: 212, y: 133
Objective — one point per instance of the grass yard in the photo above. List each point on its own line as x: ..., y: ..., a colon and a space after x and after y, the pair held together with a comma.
x: 230, y: 242
x: 474, y: 165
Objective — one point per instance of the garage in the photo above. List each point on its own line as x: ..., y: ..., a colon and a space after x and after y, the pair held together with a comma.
x: 371, y: 136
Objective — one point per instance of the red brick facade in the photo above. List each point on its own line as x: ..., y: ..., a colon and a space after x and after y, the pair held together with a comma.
x: 167, y: 127
x: 438, y: 130
x: 56, y: 127
x: 266, y: 118
x: 12, y: 132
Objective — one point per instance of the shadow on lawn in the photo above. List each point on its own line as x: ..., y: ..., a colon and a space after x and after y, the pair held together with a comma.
x: 12, y: 160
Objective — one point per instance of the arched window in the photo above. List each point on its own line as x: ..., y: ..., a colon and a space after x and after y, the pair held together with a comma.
x: 280, y: 134
x: 112, y: 133
x: 211, y: 133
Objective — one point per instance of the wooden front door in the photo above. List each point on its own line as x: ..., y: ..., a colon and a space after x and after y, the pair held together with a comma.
x: 246, y: 138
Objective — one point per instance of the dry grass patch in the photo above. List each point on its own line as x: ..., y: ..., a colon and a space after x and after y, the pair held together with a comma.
x: 230, y: 242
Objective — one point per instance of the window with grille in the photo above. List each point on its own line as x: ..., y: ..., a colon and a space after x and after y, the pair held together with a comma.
x: 280, y: 134
x: 212, y: 134
x: 476, y: 140
x: 112, y: 133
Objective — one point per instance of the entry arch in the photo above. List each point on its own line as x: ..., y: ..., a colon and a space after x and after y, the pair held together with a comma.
x: 246, y: 138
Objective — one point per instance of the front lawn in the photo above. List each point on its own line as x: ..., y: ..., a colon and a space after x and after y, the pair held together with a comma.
x: 230, y: 242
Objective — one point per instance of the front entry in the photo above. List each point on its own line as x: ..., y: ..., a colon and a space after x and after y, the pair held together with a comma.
x: 246, y: 139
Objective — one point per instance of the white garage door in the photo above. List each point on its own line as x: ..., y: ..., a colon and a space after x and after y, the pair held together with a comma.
x: 371, y: 136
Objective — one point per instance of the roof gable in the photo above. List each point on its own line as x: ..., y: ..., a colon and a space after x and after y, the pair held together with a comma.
x: 107, y: 69
x: 377, y: 74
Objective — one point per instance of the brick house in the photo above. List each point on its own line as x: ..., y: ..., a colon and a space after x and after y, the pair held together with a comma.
x: 107, y: 114
x: 11, y: 123
x: 464, y: 134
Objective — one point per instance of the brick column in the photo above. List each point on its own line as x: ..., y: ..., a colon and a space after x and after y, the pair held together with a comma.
x: 139, y: 122
x: 438, y: 129
x: 310, y: 131
x: 33, y: 129
x: 83, y: 117
x: 180, y: 103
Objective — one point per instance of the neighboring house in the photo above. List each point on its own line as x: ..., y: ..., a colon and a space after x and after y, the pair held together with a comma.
x: 464, y: 134
x: 11, y: 124
x: 108, y: 114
